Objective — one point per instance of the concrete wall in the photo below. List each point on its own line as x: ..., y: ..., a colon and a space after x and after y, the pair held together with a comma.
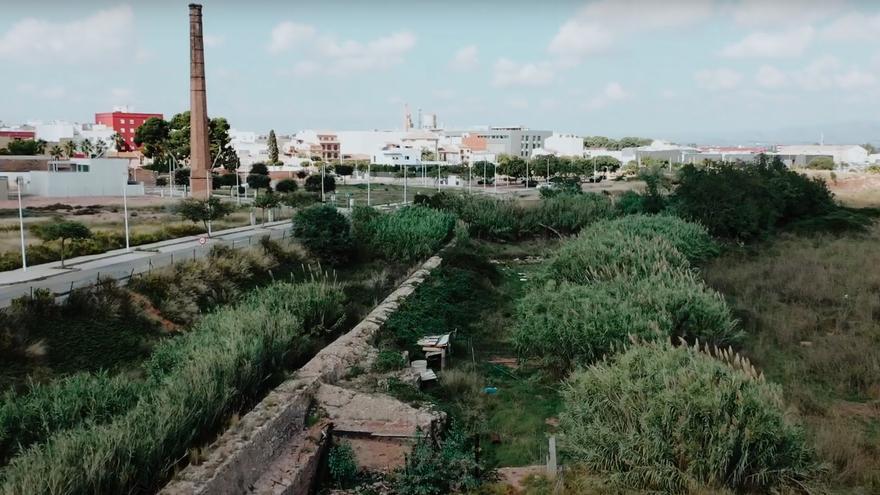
x: 245, y: 452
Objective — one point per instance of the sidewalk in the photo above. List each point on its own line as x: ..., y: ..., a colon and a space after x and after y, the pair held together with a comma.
x: 51, y: 269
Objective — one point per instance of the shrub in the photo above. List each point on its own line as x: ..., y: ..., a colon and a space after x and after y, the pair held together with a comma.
x: 258, y: 181
x: 568, y: 213
x: 746, y: 203
x: 313, y: 183
x: 299, y: 198
x: 486, y: 217
x: 389, y: 360
x: 821, y: 163
x: 673, y: 419
x: 342, y: 464
x: 436, y: 469
x: 195, y: 382
x: 408, y: 234
x: 286, y: 186
x: 630, y: 203
x: 565, y: 325
x: 690, y: 239
x: 325, y: 233
x: 596, y: 256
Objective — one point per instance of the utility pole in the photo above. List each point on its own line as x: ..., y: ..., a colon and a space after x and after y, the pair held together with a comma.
x: 125, y: 211
x: 404, y: 179
x: 322, y: 182
x: 368, y: 184
x: 20, y: 182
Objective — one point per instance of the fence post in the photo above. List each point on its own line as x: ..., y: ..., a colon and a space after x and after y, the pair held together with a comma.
x: 551, y: 458
x: 71, y: 287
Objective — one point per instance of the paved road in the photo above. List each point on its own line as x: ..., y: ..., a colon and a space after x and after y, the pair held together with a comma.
x: 121, y: 265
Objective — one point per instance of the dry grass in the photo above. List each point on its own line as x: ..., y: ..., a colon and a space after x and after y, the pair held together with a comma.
x: 811, y: 308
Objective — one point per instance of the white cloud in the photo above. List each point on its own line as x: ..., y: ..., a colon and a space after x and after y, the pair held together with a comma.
x: 722, y: 79
x: 52, y: 92
x: 466, y: 58
x: 212, y: 41
x: 818, y: 75
x: 287, y: 34
x: 339, y: 56
x: 596, y: 27
x: 855, y: 79
x: 790, y: 43
x: 99, y: 38
x: 612, y: 93
x: 508, y: 73
x: 781, y: 12
x: 853, y: 27
x: 518, y: 103
x: 771, y: 78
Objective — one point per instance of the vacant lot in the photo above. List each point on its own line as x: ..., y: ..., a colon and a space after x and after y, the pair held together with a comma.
x: 811, y: 309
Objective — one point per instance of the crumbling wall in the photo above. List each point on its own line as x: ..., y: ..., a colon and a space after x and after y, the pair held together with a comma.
x: 238, y: 459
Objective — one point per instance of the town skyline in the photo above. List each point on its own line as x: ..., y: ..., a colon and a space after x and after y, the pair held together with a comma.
x: 589, y: 68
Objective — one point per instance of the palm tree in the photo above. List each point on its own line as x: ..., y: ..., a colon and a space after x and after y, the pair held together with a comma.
x: 119, y: 142
x: 100, y: 147
x: 86, y: 147
x: 56, y: 152
x: 41, y: 146
x: 69, y: 149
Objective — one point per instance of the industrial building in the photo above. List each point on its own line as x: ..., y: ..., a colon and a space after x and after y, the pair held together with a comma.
x: 516, y: 141
x: 43, y: 176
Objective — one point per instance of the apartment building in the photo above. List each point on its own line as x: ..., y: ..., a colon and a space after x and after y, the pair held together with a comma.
x: 517, y: 140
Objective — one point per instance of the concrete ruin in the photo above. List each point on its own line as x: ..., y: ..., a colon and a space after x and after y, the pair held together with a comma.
x: 274, y: 448
x: 200, y: 150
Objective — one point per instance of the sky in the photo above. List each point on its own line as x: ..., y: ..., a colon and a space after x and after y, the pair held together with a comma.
x: 691, y: 68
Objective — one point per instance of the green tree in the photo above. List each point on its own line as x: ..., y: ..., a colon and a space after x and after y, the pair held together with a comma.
x: 512, y: 166
x: 203, y: 210
x: 325, y: 233
x: 313, y: 183
x: 69, y: 149
x: 41, y: 146
x: 286, y: 186
x: 178, y: 135
x: 266, y: 201
x: 870, y: 148
x: 119, y: 142
x: 23, y: 147
x: 343, y: 169
x: 151, y: 137
x: 86, y: 147
x: 273, y: 148
x: 56, y: 152
x: 259, y: 169
x: 100, y: 147
x: 258, y: 178
x: 181, y: 176
x: 62, y: 230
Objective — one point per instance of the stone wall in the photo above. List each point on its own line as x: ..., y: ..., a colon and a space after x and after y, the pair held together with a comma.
x: 236, y: 462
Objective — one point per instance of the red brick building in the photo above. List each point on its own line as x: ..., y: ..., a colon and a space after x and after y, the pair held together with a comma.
x: 125, y: 123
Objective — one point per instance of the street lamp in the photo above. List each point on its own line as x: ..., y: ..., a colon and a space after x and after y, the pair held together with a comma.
x: 368, y: 183
x: 125, y: 211
x: 405, y: 166
x: 20, y: 182
x: 322, y: 181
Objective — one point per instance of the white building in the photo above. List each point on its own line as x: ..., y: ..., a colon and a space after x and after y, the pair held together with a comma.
x: 55, y: 132
x: 564, y: 145
x: 624, y: 156
x: 397, y: 156
x: 801, y: 155
x: 874, y: 159
x: 84, y: 177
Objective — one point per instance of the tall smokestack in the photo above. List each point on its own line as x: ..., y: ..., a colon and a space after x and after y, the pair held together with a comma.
x: 200, y: 151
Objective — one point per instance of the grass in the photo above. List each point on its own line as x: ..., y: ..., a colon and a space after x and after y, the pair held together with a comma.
x: 810, y: 307
x: 380, y: 194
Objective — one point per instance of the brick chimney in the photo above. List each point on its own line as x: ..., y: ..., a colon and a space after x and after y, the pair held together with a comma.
x: 200, y: 151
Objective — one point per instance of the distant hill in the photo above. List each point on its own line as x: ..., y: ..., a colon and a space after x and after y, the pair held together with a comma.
x: 840, y: 133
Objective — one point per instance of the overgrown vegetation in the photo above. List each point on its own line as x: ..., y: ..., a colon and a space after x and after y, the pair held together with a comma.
x: 407, y: 234
x: 438, y: 467
x: 672, y: 419
x: 325, y: 233
x: 810, y: 307
x: 193, y: 383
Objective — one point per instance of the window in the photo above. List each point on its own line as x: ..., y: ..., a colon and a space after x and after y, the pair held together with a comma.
x: 131, y: 121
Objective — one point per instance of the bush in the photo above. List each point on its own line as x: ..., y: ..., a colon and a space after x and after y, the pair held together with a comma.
x: 437, y: 469
x: 299, y: 198
x: 342, y: 464
x: 821, y: 163
x: 286, y: 186
x: 257, y: 181
x: 597, y: 256
x: 630, y: 203
x: 568, y: 213
x: 407, y: 234
x: 673, y: 419
x: 690, y: 239
x: 747, y: 203
x: 389, y: 360
x: 313, y: 183
x: 195, y: 382
x: 325, y: 233
x: 566, y: 325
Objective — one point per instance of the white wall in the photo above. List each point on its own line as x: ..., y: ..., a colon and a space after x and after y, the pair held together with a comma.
x: 565, y: 145
x: 106, y: 177
x: 397, y: 156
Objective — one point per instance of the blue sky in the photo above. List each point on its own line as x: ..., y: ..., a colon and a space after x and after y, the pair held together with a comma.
x: 605, y: 67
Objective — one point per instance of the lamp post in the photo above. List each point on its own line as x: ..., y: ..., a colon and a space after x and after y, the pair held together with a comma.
x: 125, y: 211
x: 527, y: 174
x: 548, y: 169
x: 20, y: 182
x: 405, y: 166
x: 484, y: 175
x: 495, y: 179
x: 322, y: 181
x: 438, y: 177
x: 368, y: 184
